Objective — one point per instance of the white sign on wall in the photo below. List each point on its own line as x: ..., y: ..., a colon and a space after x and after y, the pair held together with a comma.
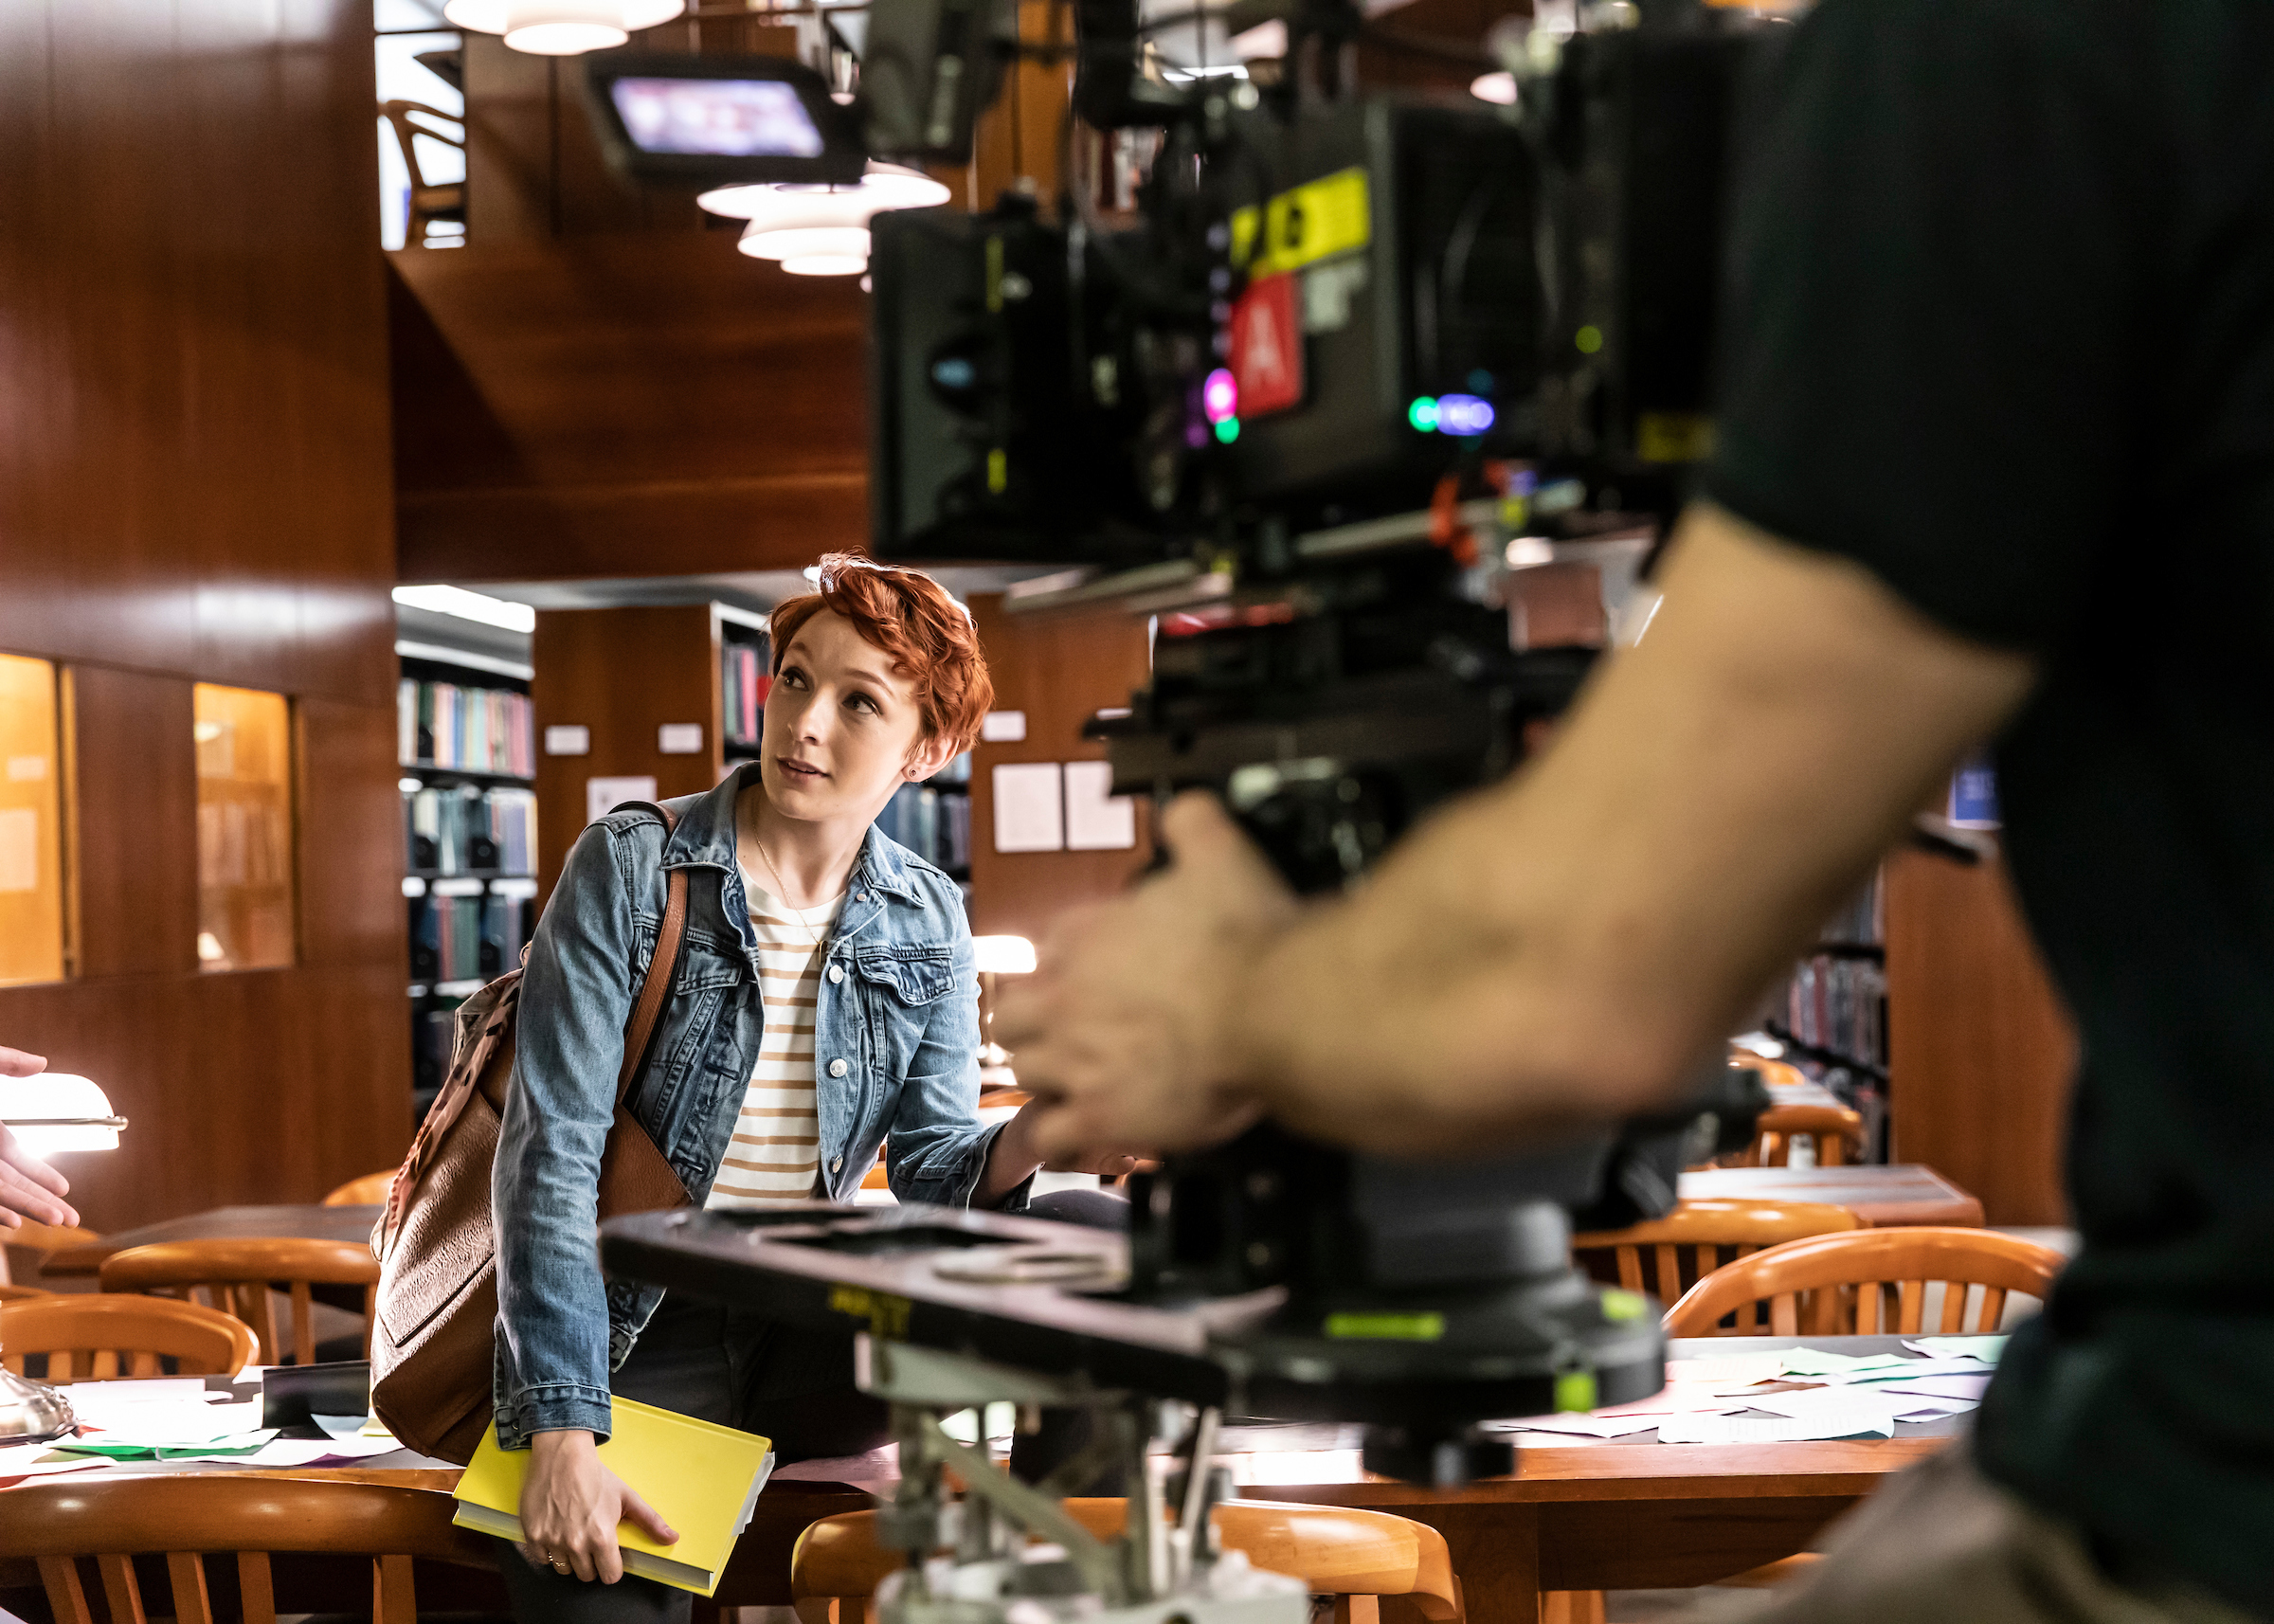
x: 1096, y: 819
x: 604, y: 793
x: 569, y: 740
x: 1029, y: 809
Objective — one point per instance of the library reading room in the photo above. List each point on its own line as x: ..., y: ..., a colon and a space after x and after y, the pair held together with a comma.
x: 1136, y: 812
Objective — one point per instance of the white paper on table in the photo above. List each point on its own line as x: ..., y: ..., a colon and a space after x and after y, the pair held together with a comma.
x: 1771, y: 1430
x: 1581, y: 1426
x: 1675, y: 1398
x: 1935, y: 1409
x: 139, y: 1390
x: 340, y: 1426
x: 1030, y: 810
x: 1096, y: 819
x: 300, y: 1451
x: 1867, y: 1408
x: 1907, y: 1370
x: 49, y: 1467
x: 1941, y: 1386
x: 1985, y: 1349
x: 1732, y: 1370
x: 165, y: 1424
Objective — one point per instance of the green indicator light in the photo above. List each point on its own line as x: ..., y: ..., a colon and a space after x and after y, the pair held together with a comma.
x: 1227, y: 431
x: 1589, y: 339
x: 1574, y: 1390
x: 1422, y: 414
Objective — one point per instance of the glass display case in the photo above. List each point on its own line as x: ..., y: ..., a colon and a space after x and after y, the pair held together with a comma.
x: 244, y: 815
x: 32, y: 863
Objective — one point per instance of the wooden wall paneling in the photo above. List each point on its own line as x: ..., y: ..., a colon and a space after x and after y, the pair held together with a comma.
x: 135, y: 825
x: 623, y: 674
x: 349, y: 818
x: 1982, y: 1052
x: 1060, y: 673
x: 194, y: 485
x: 604, y: 405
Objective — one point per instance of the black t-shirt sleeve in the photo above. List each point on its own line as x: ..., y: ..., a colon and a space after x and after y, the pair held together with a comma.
x: 1930, y: 308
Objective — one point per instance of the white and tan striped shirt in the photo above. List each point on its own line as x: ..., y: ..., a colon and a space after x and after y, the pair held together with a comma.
x: 776, y: 1152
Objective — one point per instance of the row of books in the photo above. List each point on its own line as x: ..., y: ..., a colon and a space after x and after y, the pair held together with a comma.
x: 935, y: 825
x: 745, y: 683
x: 1840, y: 1003
x: 459, y: 829
x: 241, y: 842
x: 467, y: 938
x: 468, y: 729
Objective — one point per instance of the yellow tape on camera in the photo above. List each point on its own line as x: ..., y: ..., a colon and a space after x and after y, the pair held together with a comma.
x: 1314, y: 220
x: 887, y: 1314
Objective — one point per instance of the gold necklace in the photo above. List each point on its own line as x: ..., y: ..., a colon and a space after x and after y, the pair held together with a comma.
x: 782, y: 895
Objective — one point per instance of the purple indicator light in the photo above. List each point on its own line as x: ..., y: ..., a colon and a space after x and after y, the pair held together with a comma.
x: 1463, y: 414
x: 1219, y: 396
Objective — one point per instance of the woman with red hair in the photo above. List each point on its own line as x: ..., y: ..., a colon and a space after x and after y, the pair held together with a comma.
x: 825, y: 1005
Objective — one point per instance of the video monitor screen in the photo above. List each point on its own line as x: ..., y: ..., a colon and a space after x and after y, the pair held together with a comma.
x: 716, y: 117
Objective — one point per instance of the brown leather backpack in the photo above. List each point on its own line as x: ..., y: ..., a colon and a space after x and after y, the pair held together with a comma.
x: 434, y: 1322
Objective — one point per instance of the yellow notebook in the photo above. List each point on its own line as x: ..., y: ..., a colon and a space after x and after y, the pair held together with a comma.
x: 704, y: 1478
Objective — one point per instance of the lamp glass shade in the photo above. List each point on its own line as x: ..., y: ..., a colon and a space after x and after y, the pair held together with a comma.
x: 824, y: 264
x: 807, y: 242
x: 884, y: 185
x: 57, y: 1112
x: 522, y: 20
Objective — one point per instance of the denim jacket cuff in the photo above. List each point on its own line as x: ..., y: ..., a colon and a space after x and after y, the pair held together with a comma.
x: 559, y: 1407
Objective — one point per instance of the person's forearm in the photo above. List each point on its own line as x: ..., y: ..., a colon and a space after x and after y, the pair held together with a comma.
x: 1564, y: 947
x: 1012, y: 1159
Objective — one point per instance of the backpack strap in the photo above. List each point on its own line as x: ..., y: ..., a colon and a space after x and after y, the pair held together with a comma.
x: 654, y: 988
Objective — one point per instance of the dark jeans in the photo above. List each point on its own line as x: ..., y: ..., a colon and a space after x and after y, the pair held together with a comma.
x: 794, y: 1386
x: 718, y: 1364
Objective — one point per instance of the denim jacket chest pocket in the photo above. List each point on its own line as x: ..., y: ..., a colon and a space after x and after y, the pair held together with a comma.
x: 696, y: 1063
x: 900, y: 985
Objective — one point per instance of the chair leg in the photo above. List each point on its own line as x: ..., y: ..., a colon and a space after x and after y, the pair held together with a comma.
x: 120, y: 1591
x: 186, y: 1571
x: 67, y: 1597
x: 1357, y: 1610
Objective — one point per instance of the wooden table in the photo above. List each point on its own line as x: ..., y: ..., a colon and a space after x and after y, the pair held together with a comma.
x: 1621, y: 1514
x: 306, y: 1221
x: 1883, y: 1197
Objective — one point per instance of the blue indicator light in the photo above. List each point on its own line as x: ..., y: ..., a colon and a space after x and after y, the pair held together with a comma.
x: 1463, y: 415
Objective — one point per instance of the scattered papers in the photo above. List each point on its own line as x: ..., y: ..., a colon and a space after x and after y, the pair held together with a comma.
x: 1913, y: 1370
x: 138, y: 1390
x: 1936, y: 1409
x: 1985, y: 1349
x: 342, y: 1426
x: 1969, y: 1387
x: 1777, y: 1430
x: 1735, y: 1370
x: 1849, y: 1410
x: 162, y: 1421
x: 1583, y: 1426
x: 1815, y: 1361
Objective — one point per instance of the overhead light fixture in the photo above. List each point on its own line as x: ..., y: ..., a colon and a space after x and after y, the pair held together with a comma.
x: 1497, y: 88
x: 820, y: 231
x: 562, y: 28
x: 470, y: 607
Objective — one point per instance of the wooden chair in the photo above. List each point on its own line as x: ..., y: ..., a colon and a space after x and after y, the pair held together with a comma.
x: 19, y: 1294
x: 1355, y: 1557
x: 58, y: 1522
x: 430, y: 202
x: 369, y: 1191
x: 1870, y: 1260
x: 90, y: 1338
x: 236, y: 1276
x: 1700, y: 1236
x: 1838, y: 1133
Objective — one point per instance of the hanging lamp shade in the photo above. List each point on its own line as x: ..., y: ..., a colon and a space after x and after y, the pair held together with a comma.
x: 820, y: 231
x: 562, y: 28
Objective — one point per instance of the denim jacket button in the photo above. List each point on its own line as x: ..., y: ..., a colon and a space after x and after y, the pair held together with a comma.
x: 837, y: 1068
x: 837, y: 973
x: 838, y: 1165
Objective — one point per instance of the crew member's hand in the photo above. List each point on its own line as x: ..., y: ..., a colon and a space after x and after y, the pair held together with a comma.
x: 1126, y: 1034
x: 570, y: 1505
x: 29, y: 1188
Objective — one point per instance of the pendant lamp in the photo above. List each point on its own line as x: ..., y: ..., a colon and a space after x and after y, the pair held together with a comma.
x: 562, y: 28
x: 820, y: 231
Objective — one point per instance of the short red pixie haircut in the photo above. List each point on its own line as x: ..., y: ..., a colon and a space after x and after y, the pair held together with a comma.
x: 911, y: 617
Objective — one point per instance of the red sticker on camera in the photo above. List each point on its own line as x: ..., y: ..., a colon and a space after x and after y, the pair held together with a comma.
x: 1267, y: 347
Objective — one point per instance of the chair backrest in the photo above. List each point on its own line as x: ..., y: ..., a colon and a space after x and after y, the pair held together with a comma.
x: 369, y: 1191
x: 1335, y: 1550
x: 18, y: 1294
x: 111, y: 1521
x: 411, y: 119
x: 1870, y: 1260
x: 1700, y: 1236
x: 87, y: 1338
x: 236, y: 1276
x: 1837, y: 1131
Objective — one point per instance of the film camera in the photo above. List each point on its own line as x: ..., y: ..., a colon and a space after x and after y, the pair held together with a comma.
x: 1298, y: 404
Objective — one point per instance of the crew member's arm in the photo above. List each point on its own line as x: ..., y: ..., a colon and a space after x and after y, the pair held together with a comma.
x: 29, y: 1188
x: 1556, y: 949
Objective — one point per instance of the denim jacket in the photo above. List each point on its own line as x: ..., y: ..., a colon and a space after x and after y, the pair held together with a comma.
x: 896, y: 1060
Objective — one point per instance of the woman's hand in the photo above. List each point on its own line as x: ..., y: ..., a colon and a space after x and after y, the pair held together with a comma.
x: 29, y: 1188
x: 1017, y: 1152
x: 570, y: 1505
